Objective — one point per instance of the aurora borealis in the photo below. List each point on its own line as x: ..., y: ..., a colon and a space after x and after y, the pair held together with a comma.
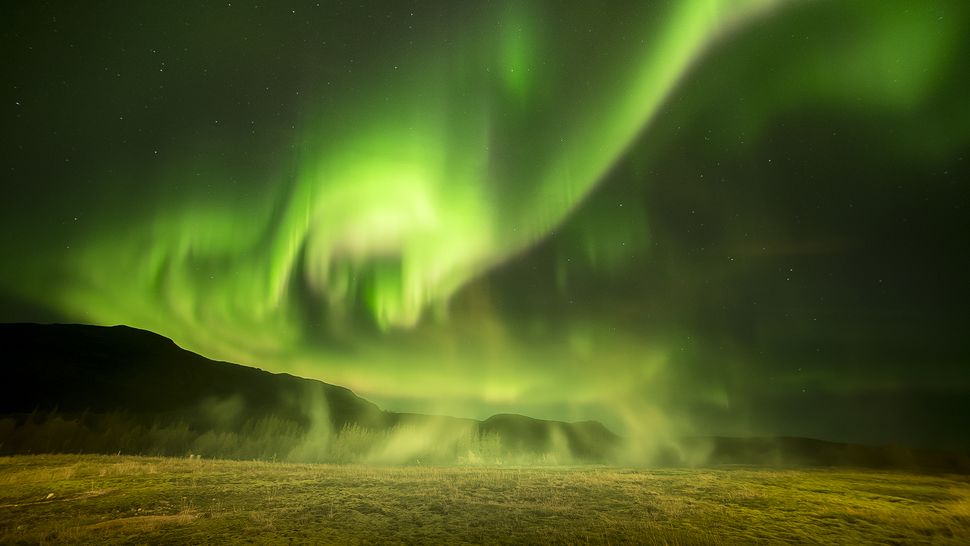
x: 700, y: 217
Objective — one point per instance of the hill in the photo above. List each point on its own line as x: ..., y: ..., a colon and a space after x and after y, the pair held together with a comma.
x: 802, y: 452
x: 70, y: 384
x: 92, y: 389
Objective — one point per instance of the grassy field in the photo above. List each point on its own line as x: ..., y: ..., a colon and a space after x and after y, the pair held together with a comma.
x: 105, y: 499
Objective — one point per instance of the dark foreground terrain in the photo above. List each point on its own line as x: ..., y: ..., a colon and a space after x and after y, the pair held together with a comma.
x: 112, y: 499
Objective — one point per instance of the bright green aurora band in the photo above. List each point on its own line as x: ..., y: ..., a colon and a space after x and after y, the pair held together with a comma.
x: 363, y: 258
x: 397, y: 195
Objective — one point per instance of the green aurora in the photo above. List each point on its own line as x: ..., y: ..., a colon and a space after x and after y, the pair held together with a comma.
x: 676, y: 217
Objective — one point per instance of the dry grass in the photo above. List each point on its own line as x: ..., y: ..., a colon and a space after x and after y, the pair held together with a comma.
x: 58, y: 499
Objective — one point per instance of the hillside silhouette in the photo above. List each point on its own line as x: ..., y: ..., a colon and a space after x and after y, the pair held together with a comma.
x: 81, y: 373
x: 94, y: 389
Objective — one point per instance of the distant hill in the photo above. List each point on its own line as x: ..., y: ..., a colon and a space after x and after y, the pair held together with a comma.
x: 786, y: 451
x: 75, y: 368
x: 585, y: 439
x: 75, y: 388
x: 141, y: 379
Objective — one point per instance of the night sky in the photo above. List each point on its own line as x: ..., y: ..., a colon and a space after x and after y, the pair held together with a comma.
x: 701, y: 217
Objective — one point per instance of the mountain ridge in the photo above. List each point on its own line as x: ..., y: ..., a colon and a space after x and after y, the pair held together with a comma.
x: 77, y: 369
x: 108, y: 389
